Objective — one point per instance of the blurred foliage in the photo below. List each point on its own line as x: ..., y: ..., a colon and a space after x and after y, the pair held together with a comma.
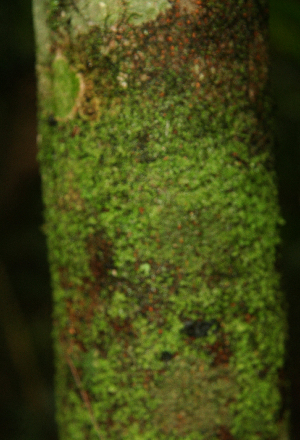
x: 285, y: 75
x: 285, y: 27
x: 26, y: 362
x: 16, y: 35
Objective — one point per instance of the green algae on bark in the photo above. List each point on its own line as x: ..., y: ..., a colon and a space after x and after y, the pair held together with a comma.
x: 162, y: 222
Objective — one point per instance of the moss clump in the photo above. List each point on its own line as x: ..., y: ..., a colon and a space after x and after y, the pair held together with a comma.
x: 65, y: 88
x: 161, y: 215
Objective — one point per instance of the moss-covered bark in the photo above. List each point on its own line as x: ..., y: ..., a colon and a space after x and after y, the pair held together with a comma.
x: 162, y: 218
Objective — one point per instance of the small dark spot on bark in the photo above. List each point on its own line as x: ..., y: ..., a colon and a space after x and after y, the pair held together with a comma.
x: 262, y: 373
x: 224, y: 433
x: 52, y: 122
x: 220, y: 350
x: 101, y: 252
x: 198, y: 329
x: 166, y: 356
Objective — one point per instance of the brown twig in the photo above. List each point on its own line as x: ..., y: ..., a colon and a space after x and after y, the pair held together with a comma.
x: 84, y: 394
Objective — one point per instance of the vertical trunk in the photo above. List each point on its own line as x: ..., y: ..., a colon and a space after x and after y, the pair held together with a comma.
x: 161, y: 217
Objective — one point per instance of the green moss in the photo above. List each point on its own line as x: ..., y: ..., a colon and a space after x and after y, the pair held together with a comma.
x: 65, y: 88
x: 162, y: 210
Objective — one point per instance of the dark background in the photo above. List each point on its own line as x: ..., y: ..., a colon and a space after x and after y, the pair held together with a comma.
x: 26, y: 358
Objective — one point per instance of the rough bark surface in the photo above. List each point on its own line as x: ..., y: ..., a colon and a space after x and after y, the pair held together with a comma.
x: 162, y: 218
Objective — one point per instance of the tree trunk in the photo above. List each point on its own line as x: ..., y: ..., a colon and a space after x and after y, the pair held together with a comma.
x: 162, y: 218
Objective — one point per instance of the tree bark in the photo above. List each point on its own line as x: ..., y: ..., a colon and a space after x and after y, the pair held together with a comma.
x: 162, y: 218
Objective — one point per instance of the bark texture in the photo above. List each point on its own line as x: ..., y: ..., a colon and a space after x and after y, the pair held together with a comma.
x: 162, y: 218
